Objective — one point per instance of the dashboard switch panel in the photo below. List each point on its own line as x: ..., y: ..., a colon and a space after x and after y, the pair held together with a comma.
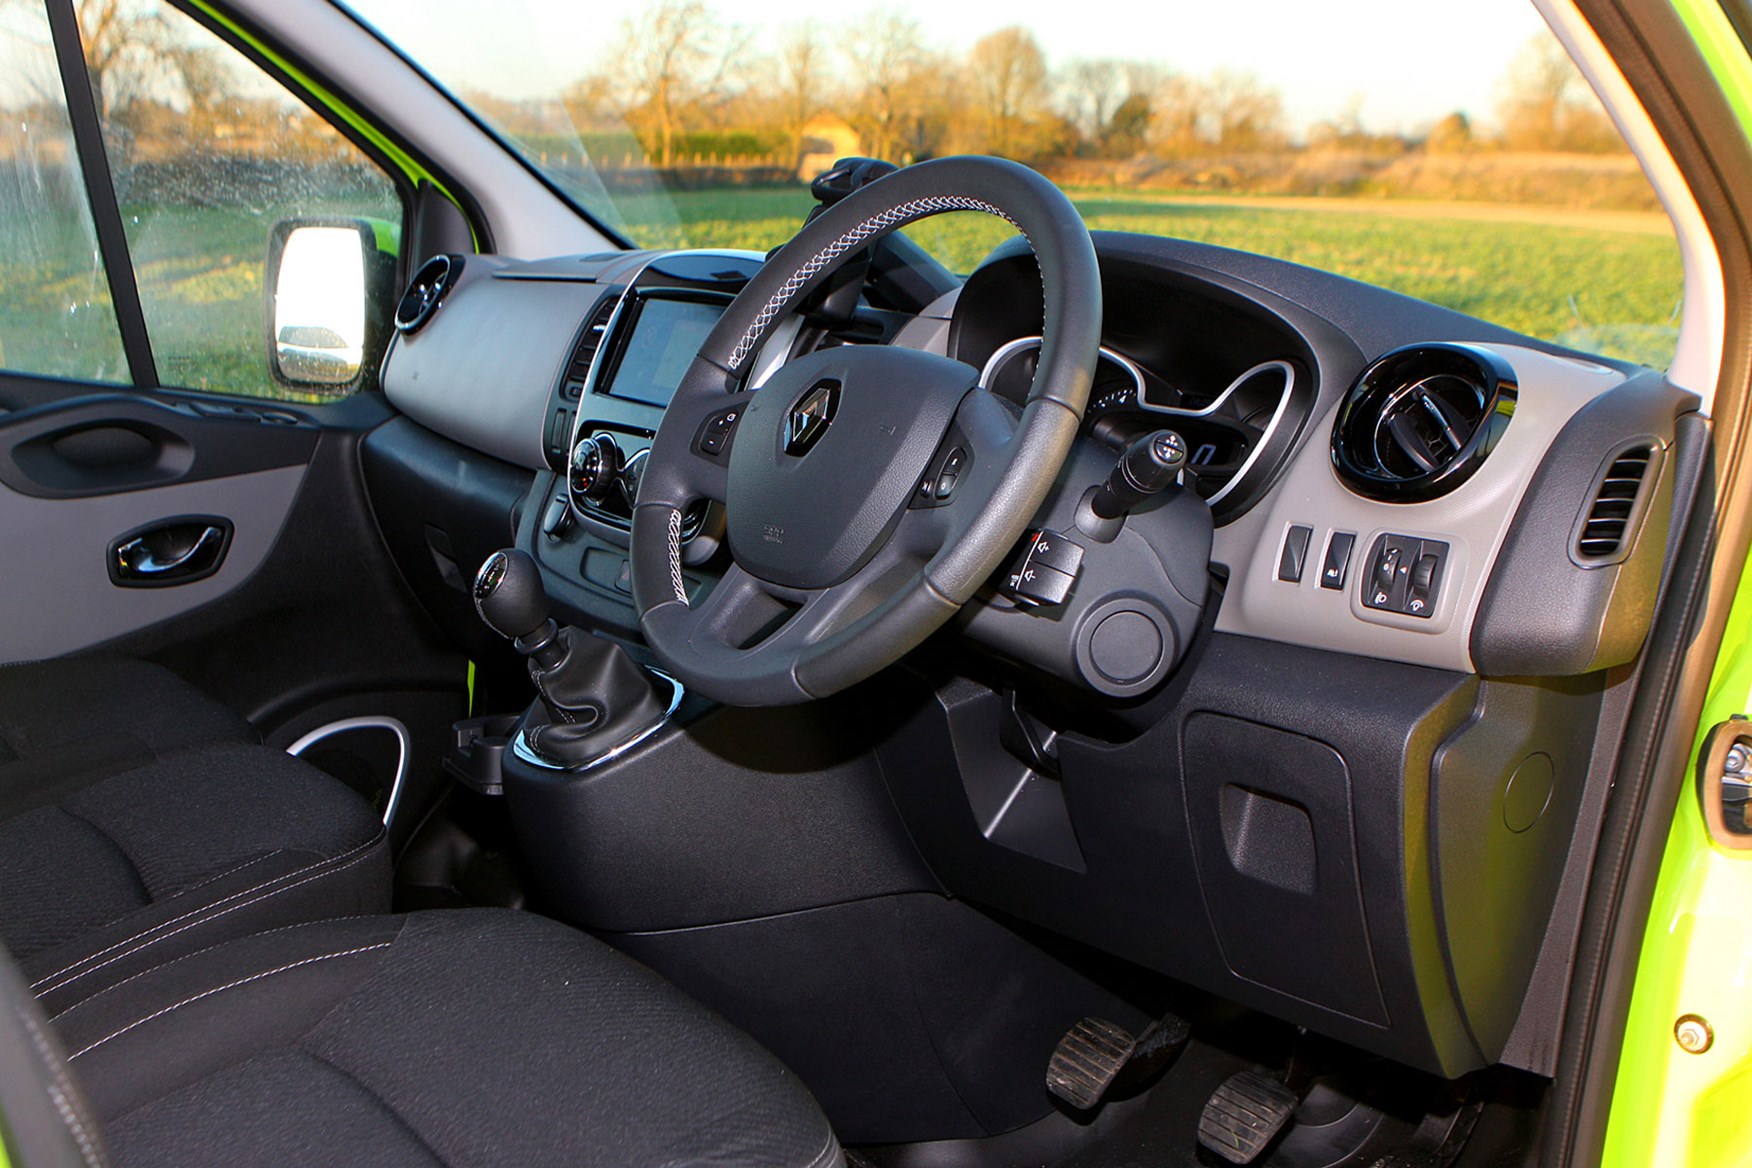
x: 1405, y: 575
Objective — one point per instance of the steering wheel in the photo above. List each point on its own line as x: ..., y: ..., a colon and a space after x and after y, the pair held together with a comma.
x: 845, y: 556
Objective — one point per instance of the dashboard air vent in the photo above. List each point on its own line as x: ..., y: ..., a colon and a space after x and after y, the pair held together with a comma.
x: 1605, y: 533
x: 426, y: 291
x: 584, y: 352
x: 1421, y: 420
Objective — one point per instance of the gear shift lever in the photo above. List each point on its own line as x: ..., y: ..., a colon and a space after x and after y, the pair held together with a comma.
x: 509, y: 596
x: 595, y: 697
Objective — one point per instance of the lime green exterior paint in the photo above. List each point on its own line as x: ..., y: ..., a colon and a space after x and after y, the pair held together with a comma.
x: 1668, y: 1106
x: 1722, y: 50
x: 322, y: 96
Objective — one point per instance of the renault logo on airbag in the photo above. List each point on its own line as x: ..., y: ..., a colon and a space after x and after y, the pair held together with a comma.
x: 811, y: 417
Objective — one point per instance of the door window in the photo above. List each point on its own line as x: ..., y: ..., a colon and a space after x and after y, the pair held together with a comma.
x: 208, y: 153
x: 56, y: 317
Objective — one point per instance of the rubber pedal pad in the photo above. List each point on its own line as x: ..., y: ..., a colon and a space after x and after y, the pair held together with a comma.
x: 1244, y: 1115
x: 1087, y: 1060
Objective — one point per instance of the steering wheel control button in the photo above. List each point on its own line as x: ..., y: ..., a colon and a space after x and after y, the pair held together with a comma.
x: 1052, y: 550
x: 1405, y: 575
x: 1032, y: 586
x: 714, y: 437
x: 1337, y: 564
x: 943, y: 474
x: 1043, y: 570
x: 1294, y: 557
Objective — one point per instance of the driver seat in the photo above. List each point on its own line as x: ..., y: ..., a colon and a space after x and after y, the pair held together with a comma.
x: 456, y: 1037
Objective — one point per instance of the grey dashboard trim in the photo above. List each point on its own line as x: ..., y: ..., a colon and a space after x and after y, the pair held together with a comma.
x: 1473, y: 520
x: 483, y: 369
x: 60, y: 595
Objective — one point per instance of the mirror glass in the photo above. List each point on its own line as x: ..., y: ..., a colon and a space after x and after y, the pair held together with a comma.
x: 319, y: 306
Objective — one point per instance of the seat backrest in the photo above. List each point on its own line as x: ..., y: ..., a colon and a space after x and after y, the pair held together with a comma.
x: 47, y: 1122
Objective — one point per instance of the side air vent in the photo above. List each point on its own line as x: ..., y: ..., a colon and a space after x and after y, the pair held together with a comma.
x: 584, y: 352
x: 1607, y: 529
x: 426, y: 292
x: 1421, y: 420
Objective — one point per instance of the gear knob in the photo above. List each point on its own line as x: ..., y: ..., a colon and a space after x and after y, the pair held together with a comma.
x: 509, y: 596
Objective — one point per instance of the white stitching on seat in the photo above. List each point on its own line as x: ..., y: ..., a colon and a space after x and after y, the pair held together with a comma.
x: 227, y: 986
x: 128, y: 944
x: 194, y: 953
x: 893, y: 217
x: 60, y: 1092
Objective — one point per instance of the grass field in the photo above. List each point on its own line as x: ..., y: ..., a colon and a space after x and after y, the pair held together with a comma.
x: 1602, y: 281
x: 1599, y: 281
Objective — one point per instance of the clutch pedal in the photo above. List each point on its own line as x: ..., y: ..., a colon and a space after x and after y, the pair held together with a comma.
x: 1095, y: 1054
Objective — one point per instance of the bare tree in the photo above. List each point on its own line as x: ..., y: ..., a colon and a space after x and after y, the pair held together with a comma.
x: 1177, y: 115
x: 1547, y: 105
x: 1008, y: 71
x: 800, y: 79
x: 1092, y: 88
x: 1242, y: 113
x: 125, y: 45
x: 672, y: 60
x: 891, y: 58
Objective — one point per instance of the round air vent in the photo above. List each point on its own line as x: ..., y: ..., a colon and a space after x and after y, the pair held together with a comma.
x: 426, y: 292
x: 1421, y: 420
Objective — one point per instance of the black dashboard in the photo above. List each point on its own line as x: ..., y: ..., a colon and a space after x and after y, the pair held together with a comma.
x: 1390, y: 508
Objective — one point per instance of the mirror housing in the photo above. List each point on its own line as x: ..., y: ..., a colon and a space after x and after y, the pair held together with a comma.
x: 329, y: 283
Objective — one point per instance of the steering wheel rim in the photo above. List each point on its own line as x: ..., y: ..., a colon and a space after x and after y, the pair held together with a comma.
x: 856, y: 596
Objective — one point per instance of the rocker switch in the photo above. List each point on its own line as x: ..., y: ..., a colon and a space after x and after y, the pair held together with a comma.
x: 1295, y: 554
x: 1043, y: 570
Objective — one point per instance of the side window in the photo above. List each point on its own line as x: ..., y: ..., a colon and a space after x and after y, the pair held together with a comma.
x: 56, y: 318
x: 207, y: 154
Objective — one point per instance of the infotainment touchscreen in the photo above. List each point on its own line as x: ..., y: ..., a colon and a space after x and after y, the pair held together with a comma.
x: 665, y: 338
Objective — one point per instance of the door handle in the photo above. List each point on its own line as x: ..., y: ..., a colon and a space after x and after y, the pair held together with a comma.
x: 171, y: 551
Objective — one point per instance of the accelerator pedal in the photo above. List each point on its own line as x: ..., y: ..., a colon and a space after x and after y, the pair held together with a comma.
x: 1095, y: 1054
x: 1246, y: 1113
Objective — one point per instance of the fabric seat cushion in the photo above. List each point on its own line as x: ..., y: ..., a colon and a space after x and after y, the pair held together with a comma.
x: 457, y: 1037
x: 74, y: 719
x: 105, y: 879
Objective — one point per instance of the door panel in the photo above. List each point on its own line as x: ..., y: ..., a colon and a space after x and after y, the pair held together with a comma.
x: 61, y: 589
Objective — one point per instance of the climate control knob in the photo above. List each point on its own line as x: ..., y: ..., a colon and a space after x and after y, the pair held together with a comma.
x: 595, y: 468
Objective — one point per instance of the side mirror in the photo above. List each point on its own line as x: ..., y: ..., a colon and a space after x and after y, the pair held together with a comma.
x: 329, y: 282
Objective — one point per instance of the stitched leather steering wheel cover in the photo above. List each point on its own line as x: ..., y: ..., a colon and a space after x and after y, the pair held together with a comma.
x: 1070, y: 278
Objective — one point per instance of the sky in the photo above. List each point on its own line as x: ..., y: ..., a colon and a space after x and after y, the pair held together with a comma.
x: 1407, y: 62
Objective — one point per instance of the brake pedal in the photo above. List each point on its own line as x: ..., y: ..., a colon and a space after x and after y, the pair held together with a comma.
x: 1244, y: 1115
x: 1095, y: 1054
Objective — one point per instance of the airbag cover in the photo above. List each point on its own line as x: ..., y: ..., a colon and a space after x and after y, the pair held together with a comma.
x: 811, y: 500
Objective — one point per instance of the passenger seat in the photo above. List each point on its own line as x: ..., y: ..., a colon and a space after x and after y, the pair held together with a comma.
x: 103, y: 879
x: 76, y: 719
